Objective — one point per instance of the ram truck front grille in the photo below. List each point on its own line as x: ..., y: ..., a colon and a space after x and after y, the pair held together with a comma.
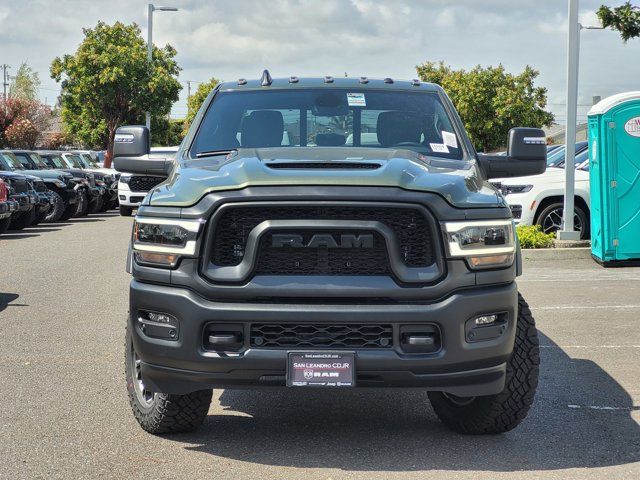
x: 337, y: 251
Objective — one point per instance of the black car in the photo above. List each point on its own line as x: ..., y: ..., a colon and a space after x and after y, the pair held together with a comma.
x: 7, y: 206
x: 91, y: 195
x: 21, y: 192
x: 58, y: 185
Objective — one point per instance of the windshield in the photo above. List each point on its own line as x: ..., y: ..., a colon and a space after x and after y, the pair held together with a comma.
x: 35, y: 158
x: 556, y: 157
x: 328, y: 118
x: 54, y: 161
x: 86, y: 160
x: 72, y: 160
x: 11, y: 161
x: 23, y: 158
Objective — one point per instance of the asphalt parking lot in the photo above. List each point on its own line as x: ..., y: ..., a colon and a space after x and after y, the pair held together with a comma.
x: 64, y: 412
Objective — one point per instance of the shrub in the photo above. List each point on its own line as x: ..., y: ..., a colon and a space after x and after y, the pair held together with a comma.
x: 532, y: 236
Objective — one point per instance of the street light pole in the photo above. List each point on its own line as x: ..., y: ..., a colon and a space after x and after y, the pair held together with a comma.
x: 573, y: 51
x: 150, y: 9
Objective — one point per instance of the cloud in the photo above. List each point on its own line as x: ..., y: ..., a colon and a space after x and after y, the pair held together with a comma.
x: 375, y: 38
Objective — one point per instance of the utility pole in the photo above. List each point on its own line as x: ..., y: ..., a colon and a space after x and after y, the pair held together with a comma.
x: 151, y: 8
x: 573, y: 50
x: 188, y: 96
x: 5, y: 81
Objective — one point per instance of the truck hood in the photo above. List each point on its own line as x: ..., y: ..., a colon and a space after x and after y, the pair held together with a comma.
x: 550, y: 176
x: 47, y: 174
x: 457, y: 181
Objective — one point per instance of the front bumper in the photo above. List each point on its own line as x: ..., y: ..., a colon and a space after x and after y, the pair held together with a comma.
x: 130, y: 199
x: 458, y: 367
x: 7, y: 208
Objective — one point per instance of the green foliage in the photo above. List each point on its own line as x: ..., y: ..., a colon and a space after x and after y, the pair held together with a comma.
x: 25, y: 84
x: 109, y: 82
x: 197, y: 99
x: 167, y: 132
x: 625, y: 19
x: 532, y: 236
x: 491, y: 100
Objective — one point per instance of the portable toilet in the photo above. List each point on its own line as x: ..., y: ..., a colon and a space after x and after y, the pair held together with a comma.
x: 614, y: 176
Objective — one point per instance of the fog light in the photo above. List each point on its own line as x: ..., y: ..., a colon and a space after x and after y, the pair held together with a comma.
x: 160, y: 317
x: 486, y: 319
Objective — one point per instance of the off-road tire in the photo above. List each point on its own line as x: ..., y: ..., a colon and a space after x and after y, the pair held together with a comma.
x: 502, y: 412
x: 125, y: 211
x: 82, y: 206
x: 57, y: 210
x: 39, y: 218
x: 69, y: 211
x: 167, y: 413
x: 23, y: 220
x: 96, y: 206
x: 4, y: 225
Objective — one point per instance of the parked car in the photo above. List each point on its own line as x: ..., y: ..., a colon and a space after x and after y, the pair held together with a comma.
x: 539, y: 199
x: 557, y: 157
x: 262, y: 264
x: 90, y: 192
x: 19, y: 191
x: 7, y: 206
x: 60, y: 185
x: 109, y: 177
x: 133, y: 188
x: 73, y: 161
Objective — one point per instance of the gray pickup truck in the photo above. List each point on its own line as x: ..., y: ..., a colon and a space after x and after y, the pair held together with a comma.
x: 328, y: 233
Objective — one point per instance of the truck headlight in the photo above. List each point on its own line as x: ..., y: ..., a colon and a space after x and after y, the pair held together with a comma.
x: 483, y: 244
x: 124, y: 178
x: 161, y: 242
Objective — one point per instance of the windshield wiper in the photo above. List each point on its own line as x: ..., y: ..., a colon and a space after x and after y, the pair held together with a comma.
x: 212, y: 153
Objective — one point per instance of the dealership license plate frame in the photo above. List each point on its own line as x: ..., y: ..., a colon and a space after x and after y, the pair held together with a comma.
x: 346, y: 378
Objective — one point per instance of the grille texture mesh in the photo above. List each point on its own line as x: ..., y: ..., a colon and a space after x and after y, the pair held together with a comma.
x: 282, y: 335
x: 143, y: 184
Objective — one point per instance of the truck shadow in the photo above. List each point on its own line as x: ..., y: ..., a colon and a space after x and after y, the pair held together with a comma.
x: 7, y: 298
x: 396, y: 430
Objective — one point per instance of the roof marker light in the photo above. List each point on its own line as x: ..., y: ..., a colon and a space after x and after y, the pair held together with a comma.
x: 388, y: 80
x: 242, y: 81
x: 415, y: 82
x: 266, y: 79
x: 328, y: 79
x: 364, y: 80
x: 293, y: 80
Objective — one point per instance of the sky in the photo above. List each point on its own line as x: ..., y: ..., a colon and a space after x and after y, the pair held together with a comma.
x: 233, y: 39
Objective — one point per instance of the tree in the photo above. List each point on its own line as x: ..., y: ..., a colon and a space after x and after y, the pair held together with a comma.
x: 167, y: 132
x: 625, y: 19
x: 197, y: 99
x: 25, y: 84
x: 23, y: 122
x: 490, y: 100
x: 109, y: 82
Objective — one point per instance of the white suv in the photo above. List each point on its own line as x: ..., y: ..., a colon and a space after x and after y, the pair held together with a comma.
x: 539, y: 199
x: 133, y: 188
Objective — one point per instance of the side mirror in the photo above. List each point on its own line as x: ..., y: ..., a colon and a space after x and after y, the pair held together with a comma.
x: 131, y: 141
x: 131, y: 153
x: 526, y: 155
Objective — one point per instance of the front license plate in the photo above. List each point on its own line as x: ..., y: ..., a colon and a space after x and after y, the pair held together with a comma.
x: 321, y: 369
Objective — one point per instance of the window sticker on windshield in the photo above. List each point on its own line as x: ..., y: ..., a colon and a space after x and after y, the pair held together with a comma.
x: 356, y: 100
x: 439, y: 147
x: 449, y: 139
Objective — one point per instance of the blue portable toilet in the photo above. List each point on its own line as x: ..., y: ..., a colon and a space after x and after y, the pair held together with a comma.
x: 614, y: 171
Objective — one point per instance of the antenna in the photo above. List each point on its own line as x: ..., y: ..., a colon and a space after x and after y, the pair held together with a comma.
x: 266, y: 79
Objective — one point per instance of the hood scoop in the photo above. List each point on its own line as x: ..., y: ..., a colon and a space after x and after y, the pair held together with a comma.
x: 334, y: 165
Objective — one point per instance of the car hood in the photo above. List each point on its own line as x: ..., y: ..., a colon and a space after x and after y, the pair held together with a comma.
x: 47, y: 174
x: 457, y: 181
x: 550, y: 176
